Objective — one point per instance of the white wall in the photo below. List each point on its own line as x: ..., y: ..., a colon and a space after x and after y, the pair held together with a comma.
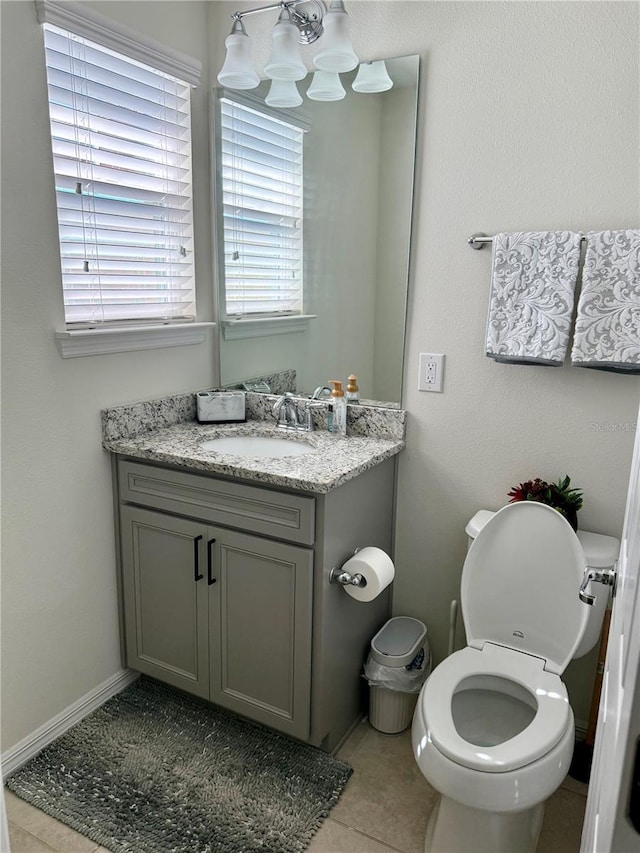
x: 528, y: 119
x: 59, y: 615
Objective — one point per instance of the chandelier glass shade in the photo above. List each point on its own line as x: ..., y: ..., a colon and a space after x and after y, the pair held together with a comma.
x: 283, y: 93
x: 238, y: 71
x: 372, y: 77
x: 326, y: 86
x: 337, y: 53
x: 285, y: 62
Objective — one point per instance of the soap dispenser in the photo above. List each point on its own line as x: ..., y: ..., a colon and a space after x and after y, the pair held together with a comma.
x: 339, y: 403
x: 353, y: 393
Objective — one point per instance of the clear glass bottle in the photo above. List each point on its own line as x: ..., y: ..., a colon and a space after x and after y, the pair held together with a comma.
x: 339, y: 403
x: 353, y: 392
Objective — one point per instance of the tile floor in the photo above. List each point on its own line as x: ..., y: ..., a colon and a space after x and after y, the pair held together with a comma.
x: 383, y: 809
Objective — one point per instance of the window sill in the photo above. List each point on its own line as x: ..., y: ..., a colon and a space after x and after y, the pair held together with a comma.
x: 80, y: 342
x: 259, y: 327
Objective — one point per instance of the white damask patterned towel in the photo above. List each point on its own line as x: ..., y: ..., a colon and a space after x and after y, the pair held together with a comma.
x: 607, y: 334
x: 531, y: 306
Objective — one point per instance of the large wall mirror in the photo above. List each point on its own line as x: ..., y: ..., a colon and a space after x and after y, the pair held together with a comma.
x: 358, y: 170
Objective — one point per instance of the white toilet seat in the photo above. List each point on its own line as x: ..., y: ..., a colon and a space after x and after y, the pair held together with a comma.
x: 520, y: 584
x: 539, y: 737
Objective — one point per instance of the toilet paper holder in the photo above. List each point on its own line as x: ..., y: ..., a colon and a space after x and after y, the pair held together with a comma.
x: 337, y: 575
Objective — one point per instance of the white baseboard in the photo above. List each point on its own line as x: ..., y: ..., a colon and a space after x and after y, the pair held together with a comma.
x: 30, y: 746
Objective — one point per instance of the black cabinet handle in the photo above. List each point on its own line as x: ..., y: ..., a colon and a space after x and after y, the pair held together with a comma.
x: 210, y: 578
x: 196, y: 559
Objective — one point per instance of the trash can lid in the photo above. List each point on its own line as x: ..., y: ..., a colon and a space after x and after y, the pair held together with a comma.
x: 398, y: 641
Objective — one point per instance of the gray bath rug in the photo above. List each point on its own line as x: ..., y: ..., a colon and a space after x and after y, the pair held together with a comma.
x: 155, y: 770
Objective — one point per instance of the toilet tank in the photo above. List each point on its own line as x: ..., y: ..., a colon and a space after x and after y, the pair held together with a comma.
x: 600, y: 551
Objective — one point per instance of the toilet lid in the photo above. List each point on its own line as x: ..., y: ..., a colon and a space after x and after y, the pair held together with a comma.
x: 520, y: 584
x: 553, y: 713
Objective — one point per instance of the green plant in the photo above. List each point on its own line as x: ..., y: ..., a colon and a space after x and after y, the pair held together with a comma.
x: 561, y: 496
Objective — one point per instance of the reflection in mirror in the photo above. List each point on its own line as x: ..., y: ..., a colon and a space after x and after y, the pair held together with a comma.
x: 358, y: 163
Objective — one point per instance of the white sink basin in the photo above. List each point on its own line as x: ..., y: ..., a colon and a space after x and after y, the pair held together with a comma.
x: 257, y: 445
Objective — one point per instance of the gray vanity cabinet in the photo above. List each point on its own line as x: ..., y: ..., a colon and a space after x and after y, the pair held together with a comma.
x: 260, y: 629
x: 217, y: 612
x: 225, y: 592
x: 165, y: 602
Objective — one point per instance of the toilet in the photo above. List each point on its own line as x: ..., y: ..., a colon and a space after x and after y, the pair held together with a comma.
x: 493, y: 730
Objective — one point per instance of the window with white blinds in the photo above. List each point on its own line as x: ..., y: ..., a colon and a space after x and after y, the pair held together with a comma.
x: 262, y: 195
x: 121, y: 138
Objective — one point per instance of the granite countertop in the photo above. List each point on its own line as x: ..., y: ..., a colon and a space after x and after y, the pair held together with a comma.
x: 331, y: 462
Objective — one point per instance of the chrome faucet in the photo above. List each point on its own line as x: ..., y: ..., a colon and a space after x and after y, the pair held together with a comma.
x: 320, y: 392
x: 289, y: 416
x: 286, y: 410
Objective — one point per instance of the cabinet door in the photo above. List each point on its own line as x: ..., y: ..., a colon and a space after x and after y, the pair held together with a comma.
x: 260, y: 629
x: 165, y: 598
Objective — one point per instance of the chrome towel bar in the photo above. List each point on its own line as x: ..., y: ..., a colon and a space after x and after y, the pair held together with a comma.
x: 480, y: 240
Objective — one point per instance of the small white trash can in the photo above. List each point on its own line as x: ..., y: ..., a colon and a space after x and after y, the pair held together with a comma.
x: 397, y: 667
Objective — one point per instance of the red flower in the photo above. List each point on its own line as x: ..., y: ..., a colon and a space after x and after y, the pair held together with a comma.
x: 559, y: 495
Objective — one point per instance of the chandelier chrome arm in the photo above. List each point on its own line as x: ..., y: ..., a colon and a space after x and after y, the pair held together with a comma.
x: 308, y: 20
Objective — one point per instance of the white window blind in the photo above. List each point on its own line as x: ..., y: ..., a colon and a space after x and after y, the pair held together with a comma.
x: 262, y: 200
x: 121, y: 138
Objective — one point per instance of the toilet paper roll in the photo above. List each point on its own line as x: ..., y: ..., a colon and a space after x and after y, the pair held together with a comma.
x: 377, y: 569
